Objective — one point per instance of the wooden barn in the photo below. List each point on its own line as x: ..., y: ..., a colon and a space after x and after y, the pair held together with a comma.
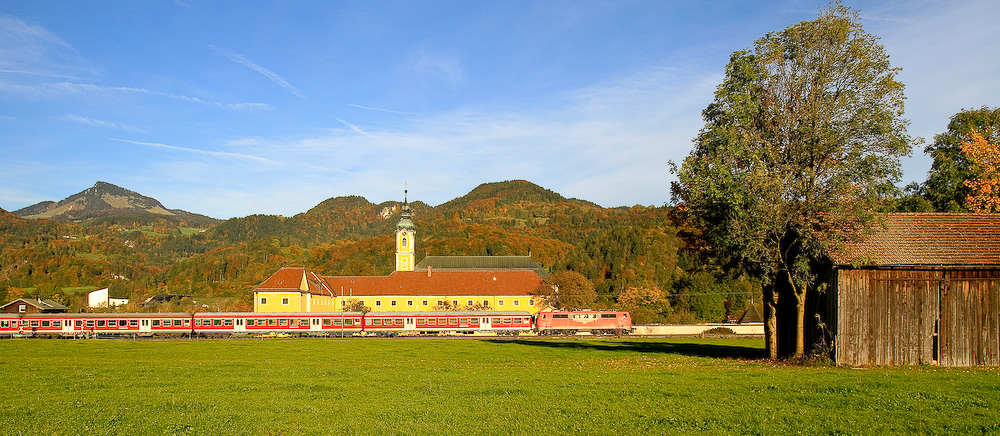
x: 923, y: 289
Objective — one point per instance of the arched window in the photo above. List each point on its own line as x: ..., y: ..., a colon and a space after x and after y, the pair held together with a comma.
x: 404, y: 241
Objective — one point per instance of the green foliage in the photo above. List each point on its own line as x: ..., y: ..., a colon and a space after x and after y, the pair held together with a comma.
x: 944, y: 188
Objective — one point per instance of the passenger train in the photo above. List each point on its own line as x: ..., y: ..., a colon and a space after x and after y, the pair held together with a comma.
x: 500, y: 323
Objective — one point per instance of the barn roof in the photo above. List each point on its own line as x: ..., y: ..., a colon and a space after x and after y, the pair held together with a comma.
x: 44, y: 305
x: 928, y: 239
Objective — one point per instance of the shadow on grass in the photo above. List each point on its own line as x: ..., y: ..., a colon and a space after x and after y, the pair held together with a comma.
x: 658, y: 346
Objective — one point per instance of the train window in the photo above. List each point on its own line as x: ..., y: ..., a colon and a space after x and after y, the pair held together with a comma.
x: 177, y: 322
x: 463, y: 321
x: 251, y: 322
x: 350, y: 321
x: 421, y: 321
x: 79, y: 323
x: 376, y: 322
x: 328, y: 321
x: 272, y: 322
x: 475, y: 321
x: 283, y: 322
x: 442, y: 321
x: 57, y: 323
x: 34, y: 323
x: 156, y: 323
x: 166, y: 323
x: 336, y: 322
x: 496, y: 320
x: 608, y: 315
x: 100, y: 323
x: 217, y: 322
x: 133, y: 323
x: 4, y: 324
x: 399, y: 321
x: 303, y: 323
x: 560, y: 316
x: 24, y: 323
x: 228, y: 323
x: 453, y: 321
x: 45, y: 323
x: 197, y: 323
x: 506, y: 320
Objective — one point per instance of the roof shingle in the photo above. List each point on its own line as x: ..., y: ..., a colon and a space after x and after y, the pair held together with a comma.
x: 928, y: 239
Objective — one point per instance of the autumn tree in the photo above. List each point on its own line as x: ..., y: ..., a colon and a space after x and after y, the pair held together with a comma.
x: 566, y: 289
x: 984, y: 185
x: 800, y: 147
x: 945, y: 186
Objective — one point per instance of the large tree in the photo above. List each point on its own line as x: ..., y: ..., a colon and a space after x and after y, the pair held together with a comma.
x: 945, y: 187
x: 800, y: 147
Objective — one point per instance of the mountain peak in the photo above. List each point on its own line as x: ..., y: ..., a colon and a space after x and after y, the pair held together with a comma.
x: 101, y: 200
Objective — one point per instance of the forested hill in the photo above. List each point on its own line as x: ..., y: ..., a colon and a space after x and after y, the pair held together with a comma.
x: 616, y: 248
x: 111, y: 203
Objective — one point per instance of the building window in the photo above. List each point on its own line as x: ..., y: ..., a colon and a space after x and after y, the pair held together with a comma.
x: 486, y: 303
x: 378, y: 303
x: 517, y: 302
x: 404, y: 241
x: 392, y: 303
x: 284, y: 301
x: 425, y: 303
x: 409, y: 303
x: 531, y: 302
x: 263, y: 300
x: 454, y: 303
x: 499, y: 302
x: 22, y: 308
x: 469, y: 303
x: 343, y: 303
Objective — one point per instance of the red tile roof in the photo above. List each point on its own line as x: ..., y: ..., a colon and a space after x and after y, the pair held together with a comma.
x: 437, y: 283
x: 285, y: 279
x: 928, y: 239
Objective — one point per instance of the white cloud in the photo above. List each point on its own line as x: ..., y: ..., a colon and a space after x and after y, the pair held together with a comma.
x: 224, y: 154
x: 31, y: 49
x: 446, y: 68
x: 272, y: 76
x: 99, y: 123
x: 62, y: 89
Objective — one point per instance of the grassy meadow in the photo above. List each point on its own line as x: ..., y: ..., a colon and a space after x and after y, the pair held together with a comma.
x: 472, y: 387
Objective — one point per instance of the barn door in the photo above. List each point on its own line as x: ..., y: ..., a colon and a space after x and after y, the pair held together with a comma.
x: 970, y: 318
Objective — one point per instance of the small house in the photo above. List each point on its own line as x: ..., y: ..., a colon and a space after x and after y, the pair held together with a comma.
x: 33, y: 305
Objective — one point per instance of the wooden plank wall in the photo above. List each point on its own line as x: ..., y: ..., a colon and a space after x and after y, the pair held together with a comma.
x: 886, y: 317
x: 894, y: 317
x: 970, y: 318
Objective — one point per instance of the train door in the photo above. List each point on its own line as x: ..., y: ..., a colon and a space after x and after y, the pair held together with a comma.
x: 239, y: 325
x: 409, y: 324
x: 315, y: 325
x: 67, y: 326
x: 144, y: 326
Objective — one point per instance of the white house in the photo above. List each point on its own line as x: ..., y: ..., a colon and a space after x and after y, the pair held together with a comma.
x: 103, y: 298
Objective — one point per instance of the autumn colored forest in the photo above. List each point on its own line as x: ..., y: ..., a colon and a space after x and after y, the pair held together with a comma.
x: 633, y: 256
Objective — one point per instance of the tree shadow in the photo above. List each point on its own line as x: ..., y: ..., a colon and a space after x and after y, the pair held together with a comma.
x: 664, y: 346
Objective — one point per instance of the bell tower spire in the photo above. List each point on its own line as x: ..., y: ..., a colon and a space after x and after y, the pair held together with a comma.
x: 405, y: 233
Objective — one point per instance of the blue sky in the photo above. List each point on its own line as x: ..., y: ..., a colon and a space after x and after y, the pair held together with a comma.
x: 230, y: 108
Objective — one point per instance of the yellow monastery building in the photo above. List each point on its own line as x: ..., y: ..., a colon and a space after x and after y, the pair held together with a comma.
x: 437, y: 282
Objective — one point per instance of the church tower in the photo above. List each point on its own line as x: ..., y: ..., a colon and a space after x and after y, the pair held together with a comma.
x: 405, y: 239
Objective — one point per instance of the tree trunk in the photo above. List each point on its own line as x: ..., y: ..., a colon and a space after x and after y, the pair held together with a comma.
x: 800, y: 318
x: 770, y: 322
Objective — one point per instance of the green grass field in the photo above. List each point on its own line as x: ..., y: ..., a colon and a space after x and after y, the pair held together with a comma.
x: 471, y: 387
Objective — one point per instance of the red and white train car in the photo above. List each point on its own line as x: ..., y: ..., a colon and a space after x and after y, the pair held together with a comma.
x: 396, y: 323
x: 591, y: 321
x: 339, y: 323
